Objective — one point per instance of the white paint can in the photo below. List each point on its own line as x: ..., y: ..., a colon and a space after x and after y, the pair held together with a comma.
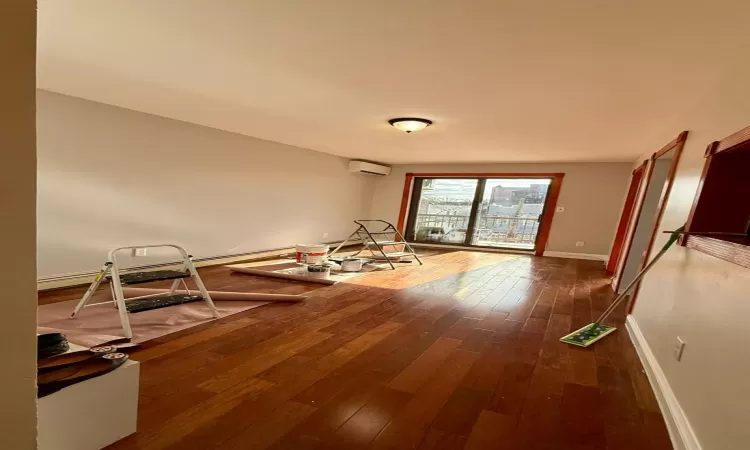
x: 312, y: 254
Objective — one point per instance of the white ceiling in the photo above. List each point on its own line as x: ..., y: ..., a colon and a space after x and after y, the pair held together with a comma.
x: 504, y: 81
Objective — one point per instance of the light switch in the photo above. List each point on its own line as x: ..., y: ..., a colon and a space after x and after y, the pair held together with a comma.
x: 679, y: 348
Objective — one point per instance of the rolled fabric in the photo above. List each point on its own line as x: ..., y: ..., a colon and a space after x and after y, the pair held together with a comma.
x: 283, y: 276
x: 219, y: 295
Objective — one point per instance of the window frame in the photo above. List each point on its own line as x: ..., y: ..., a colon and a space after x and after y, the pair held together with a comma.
x: 545, y: 225
x: 728, y: 250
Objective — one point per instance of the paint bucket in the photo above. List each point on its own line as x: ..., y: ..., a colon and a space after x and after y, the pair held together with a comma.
x: 351, y: 265
x: 317, y: 271
x: 311, y: 254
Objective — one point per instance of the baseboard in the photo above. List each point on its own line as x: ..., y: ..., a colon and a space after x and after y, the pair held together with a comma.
x: 589, y: 256
x: 571, y: 255
x: 84, y: 278
x: 473, y: 249
x: 682, y: 434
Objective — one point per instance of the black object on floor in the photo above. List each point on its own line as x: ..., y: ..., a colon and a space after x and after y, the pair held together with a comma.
x: 147, y: 277
x: 72, y: 358
x: 146, y: 304
x: 51, y: 344
x: 54, y: 380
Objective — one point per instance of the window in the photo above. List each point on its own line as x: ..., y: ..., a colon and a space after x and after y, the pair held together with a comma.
x: 719, y: 222
x: 510, y: 211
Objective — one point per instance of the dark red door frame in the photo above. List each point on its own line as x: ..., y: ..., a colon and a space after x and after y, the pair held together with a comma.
x: 635, y: 220
x: 677, y: 144
x: 627, y: 214
x: 545, y: 225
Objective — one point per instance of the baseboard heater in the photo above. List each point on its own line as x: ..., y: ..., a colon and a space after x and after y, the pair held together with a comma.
x: 84, y: 278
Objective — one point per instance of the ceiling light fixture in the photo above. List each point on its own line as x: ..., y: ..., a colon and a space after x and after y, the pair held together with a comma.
x: 410, y: 124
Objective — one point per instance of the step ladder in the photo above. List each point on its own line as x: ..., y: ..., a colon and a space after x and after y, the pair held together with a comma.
x: 375, y: 238
x: 113, y: 273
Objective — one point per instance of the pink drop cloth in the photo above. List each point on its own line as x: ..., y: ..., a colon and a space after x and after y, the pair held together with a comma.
x: 96, y: 325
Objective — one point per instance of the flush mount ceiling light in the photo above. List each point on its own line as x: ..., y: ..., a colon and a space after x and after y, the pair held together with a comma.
x: 410, y: 124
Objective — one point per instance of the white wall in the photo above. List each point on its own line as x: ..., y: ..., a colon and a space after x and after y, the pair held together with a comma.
x: 17, y: 225
x: 702, y: 299
x: 642, y: 234
x: 592, y: 194
x: 110, y: 177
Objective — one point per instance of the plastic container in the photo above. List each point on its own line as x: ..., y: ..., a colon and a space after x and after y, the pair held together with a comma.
x: 317, y: 271
x: 312, y: 254
x: 351, y: 265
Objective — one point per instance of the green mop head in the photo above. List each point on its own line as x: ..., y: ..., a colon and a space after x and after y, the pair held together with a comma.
x: 587, y: 335
x: 595, y: 331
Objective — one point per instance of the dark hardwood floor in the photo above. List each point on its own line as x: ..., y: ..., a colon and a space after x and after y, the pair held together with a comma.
x: 462, y: 353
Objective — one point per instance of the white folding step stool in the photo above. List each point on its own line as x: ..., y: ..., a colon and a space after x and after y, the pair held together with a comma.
x: 146, y: 302
x: 368, y: 237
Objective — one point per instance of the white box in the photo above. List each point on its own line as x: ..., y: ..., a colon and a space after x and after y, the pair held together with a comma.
x: 92, y: 414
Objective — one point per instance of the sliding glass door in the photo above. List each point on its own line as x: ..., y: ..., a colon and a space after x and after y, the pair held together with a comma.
x: 441, y: 210
x: 479, y: 212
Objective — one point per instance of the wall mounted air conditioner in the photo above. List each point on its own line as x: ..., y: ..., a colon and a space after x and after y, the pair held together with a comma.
x: 369, y: 168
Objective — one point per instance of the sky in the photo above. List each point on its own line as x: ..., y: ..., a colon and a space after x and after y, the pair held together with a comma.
x: 464, y: 188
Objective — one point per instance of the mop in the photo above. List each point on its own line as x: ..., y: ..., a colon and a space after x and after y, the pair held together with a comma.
x: 592, y: 332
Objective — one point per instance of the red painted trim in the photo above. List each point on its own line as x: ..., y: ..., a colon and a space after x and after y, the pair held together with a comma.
x: 728, y: 250
x: 680, y: 139
x: 733, y: 140
x: 662, y: 205
x: 625, y: 217
x: 550, y: 203
x: 647, y: 171
x: 404, y: 202
x: 711, y: 149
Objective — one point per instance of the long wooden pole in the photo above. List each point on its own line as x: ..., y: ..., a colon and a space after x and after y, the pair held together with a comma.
x: 283, y: 276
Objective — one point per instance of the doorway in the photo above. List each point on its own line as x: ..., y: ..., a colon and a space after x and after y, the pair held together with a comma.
x: 625, y: 218
x: 484, y: 212
x: 659, y: 177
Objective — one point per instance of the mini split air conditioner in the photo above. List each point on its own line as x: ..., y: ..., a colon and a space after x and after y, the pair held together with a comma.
x: 369, y: 168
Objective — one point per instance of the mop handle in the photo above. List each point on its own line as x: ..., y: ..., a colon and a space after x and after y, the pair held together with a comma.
x: 672, y: 239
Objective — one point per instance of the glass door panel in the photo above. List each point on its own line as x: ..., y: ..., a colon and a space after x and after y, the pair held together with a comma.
x: 509, y: 213
x: 441, y: 210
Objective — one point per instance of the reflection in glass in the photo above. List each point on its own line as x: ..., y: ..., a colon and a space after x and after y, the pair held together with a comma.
x: 507, y: 216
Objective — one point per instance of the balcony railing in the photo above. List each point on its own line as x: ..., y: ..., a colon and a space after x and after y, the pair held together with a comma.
x: 494, y: 231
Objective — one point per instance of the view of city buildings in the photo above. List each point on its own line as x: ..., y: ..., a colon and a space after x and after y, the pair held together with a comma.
x: 507, y: 215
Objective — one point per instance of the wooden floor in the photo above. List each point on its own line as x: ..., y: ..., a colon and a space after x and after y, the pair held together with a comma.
x: 462, y: 353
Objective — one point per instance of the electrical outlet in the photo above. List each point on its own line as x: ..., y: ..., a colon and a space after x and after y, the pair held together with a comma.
x: 325, y: 235
x: 141, y: 251
x: 580, y: 243
x: 560, y: 209
x: 679, y: 348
